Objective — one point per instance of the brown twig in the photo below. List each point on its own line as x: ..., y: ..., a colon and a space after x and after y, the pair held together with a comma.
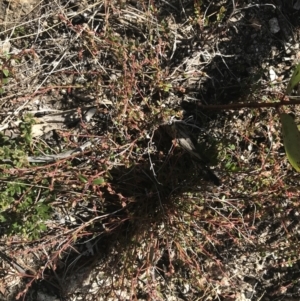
x: 237, y: 106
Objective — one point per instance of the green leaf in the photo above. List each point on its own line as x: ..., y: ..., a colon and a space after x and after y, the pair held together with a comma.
x: 5, y: 72
x: 2, y: 218
x: 82, y: 178
x: 221, y: 13
x: 98, y: 181
x: 295, y: 79
x: 291, y: 140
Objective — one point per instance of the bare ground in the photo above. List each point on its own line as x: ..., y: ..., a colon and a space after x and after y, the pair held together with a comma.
x: 96, y: 203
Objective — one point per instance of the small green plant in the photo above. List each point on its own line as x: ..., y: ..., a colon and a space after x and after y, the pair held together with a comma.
x: 164, y: 86
x: 8, y: 64
x: 25, y: 128
x: 19, y: 31
x: 24, y: 206
x: 221, y: 14
x: 15, y: 150
x: 6, y: 70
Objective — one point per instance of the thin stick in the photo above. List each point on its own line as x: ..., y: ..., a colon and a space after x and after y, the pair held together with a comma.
x: 237, y: 106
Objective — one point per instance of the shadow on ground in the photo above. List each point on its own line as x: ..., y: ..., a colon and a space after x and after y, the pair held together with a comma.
x: 143, y: 201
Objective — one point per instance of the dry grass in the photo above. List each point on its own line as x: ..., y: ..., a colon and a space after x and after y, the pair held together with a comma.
x: 130, y: 216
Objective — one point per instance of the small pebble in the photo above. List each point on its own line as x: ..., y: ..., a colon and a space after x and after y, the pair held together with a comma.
x: 274, y: 25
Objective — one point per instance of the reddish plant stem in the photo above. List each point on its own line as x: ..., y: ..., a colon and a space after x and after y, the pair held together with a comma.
x: 237, y: 106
